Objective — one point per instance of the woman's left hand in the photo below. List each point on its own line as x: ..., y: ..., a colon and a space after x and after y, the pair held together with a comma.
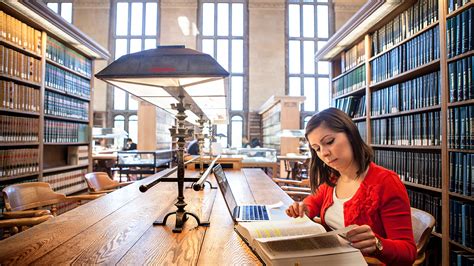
x: 362, y: 238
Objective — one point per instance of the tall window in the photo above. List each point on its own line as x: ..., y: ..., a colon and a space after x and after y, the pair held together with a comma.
x: 63, y: 8
x: 223, y: 34
x: 135, y: 28
x: 309, y: 26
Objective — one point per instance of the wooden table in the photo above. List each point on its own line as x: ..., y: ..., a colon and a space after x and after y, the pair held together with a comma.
x: 117, y: 228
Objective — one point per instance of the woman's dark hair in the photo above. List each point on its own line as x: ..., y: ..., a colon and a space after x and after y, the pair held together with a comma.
x: 338, y: 121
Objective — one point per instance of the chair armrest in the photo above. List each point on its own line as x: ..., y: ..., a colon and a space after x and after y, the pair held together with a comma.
x: 300, y: 189
x: 101, y: 192
x: 287, y: 181
x: 372, y: 261
x: 84, y: 197
x: 297, y: 193
x: 25, y: 214
x: 118, y: 185
x: 24, y: 221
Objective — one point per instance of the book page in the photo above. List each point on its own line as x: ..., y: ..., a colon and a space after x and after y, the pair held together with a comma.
x: 283, y: 228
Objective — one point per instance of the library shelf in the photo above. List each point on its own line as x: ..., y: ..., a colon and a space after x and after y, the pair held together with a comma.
x: 436, y: 234
x: 17, y: 144
x: 460, y: 10
x: 461, y: 56
x: 76, y: 120
x: 348, y: 71
x: 432, y: 25
x: 460, y: 196
x: 67, y: 93
x: 10, y: 44
x: 354, y: 92
x: 20, y: 80
x: 64, y: 168
x: 18, y: 176
x: 63, y: 67
x: 459, y: 245
x: 461, y: 150
x: 407, y: 75
x: 406, y: 147
x: 358, y: 119
x: 461, y: 103
x: 19, y: 112
x: 409, y: 112
x: 422, y: 186
x: 66, y: 143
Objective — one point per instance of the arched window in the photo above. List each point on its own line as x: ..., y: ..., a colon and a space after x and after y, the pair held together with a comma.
x: 135, y: 28
x: 133, y: 127
x: 119, y: 123
x: 309, y: 26
x: 236, y: 124
x: 223, y: 34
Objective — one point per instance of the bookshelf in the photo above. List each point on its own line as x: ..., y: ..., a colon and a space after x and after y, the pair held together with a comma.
x: 418, y: 95
x: 45, y: 98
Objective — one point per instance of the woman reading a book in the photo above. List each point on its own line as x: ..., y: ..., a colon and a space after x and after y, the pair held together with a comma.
x: 349, y: 189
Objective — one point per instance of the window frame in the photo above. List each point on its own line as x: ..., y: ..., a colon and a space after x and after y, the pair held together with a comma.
x: 244, y: 113
x: 301, y: 75
x: 60, y: 2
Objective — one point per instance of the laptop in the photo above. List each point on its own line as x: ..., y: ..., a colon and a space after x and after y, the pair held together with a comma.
x: 240, y: 213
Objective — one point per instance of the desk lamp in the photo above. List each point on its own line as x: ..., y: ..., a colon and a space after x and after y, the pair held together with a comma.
x: 182, y: 81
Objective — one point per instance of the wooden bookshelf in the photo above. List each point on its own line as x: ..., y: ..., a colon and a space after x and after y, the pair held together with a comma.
x: 430, y: 30
x: 60, y: 163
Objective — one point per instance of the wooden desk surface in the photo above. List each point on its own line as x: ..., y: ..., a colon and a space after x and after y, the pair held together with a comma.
x: 117, y: 228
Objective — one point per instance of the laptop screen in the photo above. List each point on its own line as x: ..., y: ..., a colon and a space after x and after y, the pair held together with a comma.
x: 225, y: 188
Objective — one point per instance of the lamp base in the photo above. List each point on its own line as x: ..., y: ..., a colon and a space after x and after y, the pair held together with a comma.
x: 181, y: 218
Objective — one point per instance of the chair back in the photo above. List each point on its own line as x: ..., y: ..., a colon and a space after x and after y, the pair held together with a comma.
x: 31, y: 195
x: 98, y: 181
x: 423, y: 224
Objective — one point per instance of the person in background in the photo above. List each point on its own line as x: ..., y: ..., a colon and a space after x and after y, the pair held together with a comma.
x: 349, y: 189
x: 193, y: 147
x: 130, y: 146
x: 245, y: 142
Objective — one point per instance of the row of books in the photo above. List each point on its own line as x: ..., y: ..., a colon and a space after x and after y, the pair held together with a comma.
x: 61, y: 105
x: 461, y: 79
x: 456, y: 4
x: 18, y: 129
x: 63, y: 80
x: 420, y: 50
x: 354, y: 106
x: 461, y: 222
x: 423, y: 168
x: 351, y: 81
x: 78, y: 155
x: 459, y: 33
x: 20, y: 34
x: 421, y: 129
x: 361, y: 126
x: 421, y: 92
x: 17, y: 64
x: 15, y: 162
x: 428, y: 203
x: 352, y: 57
x: 461, y: 258
x: 19, y: 97
x: 405, y: 25
x: 67, y: 57
x: 461, y: 127
x: 63, y: 132
x: 67, y: 182
x: 461, y: 172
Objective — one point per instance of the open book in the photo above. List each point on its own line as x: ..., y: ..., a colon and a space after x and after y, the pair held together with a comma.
x: 298, y: 242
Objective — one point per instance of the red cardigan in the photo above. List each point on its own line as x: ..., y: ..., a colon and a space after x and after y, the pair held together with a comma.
x: 380, y: 202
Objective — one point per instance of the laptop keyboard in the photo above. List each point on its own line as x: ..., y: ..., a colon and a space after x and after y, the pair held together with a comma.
x: 254, y: 213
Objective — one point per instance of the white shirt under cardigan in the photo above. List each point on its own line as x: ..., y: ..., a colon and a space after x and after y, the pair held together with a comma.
x: 334, y: 216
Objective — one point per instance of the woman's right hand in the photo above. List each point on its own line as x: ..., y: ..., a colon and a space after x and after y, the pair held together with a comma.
x: 298, y: 209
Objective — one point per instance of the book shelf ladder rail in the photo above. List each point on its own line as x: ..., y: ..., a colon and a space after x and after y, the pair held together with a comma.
x: 200, y: 138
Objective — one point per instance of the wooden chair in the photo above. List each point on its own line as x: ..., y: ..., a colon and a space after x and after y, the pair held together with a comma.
x: 18, y: 221
x: 100, y: 182
x: 422, y: 223
x: 37, y: 195
x: 297, y: 190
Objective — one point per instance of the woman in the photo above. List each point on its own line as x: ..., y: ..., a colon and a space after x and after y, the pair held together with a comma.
x: 349, y: 189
